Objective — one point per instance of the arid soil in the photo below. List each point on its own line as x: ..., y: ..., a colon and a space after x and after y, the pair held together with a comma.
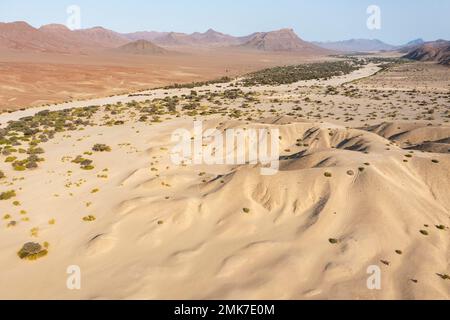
x: 363, y: 182
x: 33, y: 79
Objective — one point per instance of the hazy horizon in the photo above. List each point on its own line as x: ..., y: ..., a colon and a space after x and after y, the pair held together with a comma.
x: 401, y: 21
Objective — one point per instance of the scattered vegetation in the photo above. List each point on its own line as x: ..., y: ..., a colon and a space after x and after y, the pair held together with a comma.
x: 291, y: 74
x: 199, y: 84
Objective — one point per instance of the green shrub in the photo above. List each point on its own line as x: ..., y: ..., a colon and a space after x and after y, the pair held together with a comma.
x: 7, y: 195
x: 101, y: 148
x: 32, y: 251
x: 10, y: 159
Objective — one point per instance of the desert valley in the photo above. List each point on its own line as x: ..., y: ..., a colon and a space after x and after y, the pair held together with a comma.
x: 86, y: 177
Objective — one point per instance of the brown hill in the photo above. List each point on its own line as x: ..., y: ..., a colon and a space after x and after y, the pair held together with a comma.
x: 145, y: 35
x: 104, y: 37
x: 68, y: 40
x: 21, y: 36
x: 281, y: 40
x: 356, y: 45
x: 208, y: 38
x: 56, y: 38
x: 437, y: 51
x: 141, y: 47
x: 174, y: 39
x: 212, y: 37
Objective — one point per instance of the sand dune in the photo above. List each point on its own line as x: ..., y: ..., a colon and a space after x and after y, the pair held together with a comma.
x: 347, y: 196
x: 152, y: 240
x: 416, y: 136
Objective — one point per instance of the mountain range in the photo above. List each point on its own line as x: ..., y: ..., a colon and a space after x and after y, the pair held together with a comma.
x: 142, y: 47
x: 57, y: 38
x: 435, y: 51
x: 357, y: 45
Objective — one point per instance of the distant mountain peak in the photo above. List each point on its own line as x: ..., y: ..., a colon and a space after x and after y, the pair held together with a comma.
x: 356, y: 45
x: 280, y: 40
x: 143, y: 47
x: 415, y: 42
x: 437, y: 51
x: 54, y: 27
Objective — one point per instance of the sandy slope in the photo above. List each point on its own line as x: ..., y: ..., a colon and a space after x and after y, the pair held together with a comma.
x: 164, y: 231
x: 209, y: 248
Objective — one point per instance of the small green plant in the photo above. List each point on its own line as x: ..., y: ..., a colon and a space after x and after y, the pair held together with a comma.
x: 10, y: 159
x: 78, y: 160
x: 101, y: 148
x: 32, y: 251
x: 7, y: 195
x: 333, y: 241
x: 424, y: 232
x: 328, y: 174
x: 246, y: 210
x: 2, y: 175
x: 34, y: 232
x: 19, y: 168
x: 89, y: 218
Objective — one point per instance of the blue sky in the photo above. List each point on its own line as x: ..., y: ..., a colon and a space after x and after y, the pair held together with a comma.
x: 402, y: 20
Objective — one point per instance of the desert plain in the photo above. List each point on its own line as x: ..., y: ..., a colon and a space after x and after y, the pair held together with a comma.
x: 364, y: 181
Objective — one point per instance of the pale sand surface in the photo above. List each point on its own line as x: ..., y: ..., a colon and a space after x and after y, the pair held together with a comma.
x: 180, y: 232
